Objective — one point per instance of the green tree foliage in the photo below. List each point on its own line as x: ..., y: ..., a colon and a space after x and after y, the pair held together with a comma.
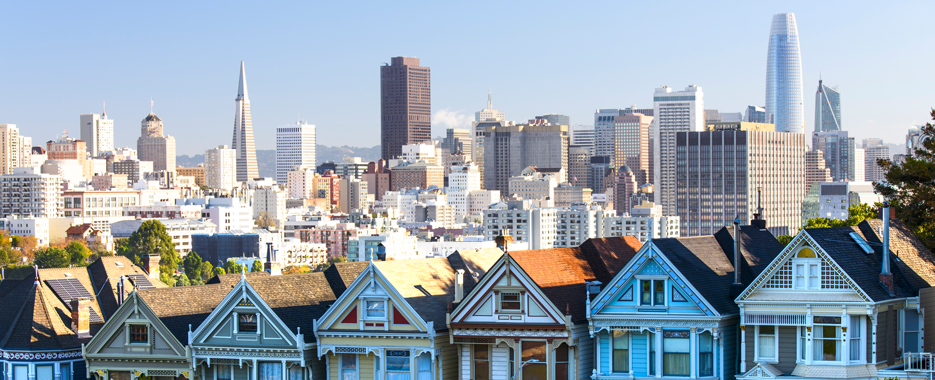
x: 855, y: 214
x: 219, y: 271
x: 167, y: 278
x: 197, y: 270
x: 784, y: 239
x: 257, y: 266
x: 78, y: 253
x: 151, y: 238
x: 323, y: 266
x: 52, y: 257
x: 296, y: 269
x: 183, y: 280
x: 231, y: 267
x: 910, y: 187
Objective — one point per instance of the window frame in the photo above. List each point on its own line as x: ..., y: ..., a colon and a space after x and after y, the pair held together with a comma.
x: 519, y: 300
x: 341, y: 370
x: 256, y: 323
x: 654, y: 280
x: 229, y: 369
x: 130, y: 334
x: 629, y: 350
x: 775, y: 335
x: 386, y: 362
x: 857, y: 330
x: 474, y: 361
x: 698, y: 361
x: 365, y: 316
x: 839, y: 338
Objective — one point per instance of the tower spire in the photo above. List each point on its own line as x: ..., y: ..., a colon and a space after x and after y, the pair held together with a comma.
x: 242, y: 88
x: 489, y: 100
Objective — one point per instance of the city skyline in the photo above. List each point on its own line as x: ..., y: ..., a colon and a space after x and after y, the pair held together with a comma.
x: 193, y: 94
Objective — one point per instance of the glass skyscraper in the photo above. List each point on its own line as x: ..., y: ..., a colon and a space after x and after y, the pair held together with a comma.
x: 784, y: 94
x: 827, y: 108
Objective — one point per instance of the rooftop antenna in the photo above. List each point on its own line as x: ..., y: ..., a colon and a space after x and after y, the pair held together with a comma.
x: 151, y: 105
x: 759, y: 208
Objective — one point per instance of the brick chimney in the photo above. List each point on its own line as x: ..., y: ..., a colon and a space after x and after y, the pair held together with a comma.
x: 504, y: 240
x: 151, y: 263
x: 81, y: 317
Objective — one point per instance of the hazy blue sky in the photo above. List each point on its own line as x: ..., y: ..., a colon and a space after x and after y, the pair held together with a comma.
x: 320, y: 61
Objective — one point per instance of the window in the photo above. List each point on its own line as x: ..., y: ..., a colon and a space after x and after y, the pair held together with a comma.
x: 652, y: 292
x: 910, y: 331
x: 676, y: 358
x: 826, y: 343
x: 425, y: 366
x: 246, y: 323
x: 65, y: 369
x: 538, y: 370
x: 621, y: 358
x: 20, y: 372
x: 376, y: 309
x: 270, y: 371
x: 481, y: 362
x: 766, y: 343
x: 223, y: 372
x: 855, y: 330
x: 348, y: 367
x: 510, y: 302
x: 397, y: 365
x: 705, y: 354
x: 561, y: 362
x: 802, y: 343
x: 44, y: 372
x: 652, y: 353
x: 139, y: 334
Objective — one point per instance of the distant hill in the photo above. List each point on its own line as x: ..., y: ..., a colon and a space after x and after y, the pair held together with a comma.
x: 266, y: 159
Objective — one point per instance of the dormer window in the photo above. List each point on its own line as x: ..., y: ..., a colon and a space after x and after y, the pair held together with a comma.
x: 510, y: 302
x: 652, y: 292
x: 247, y: 323
x: 376, y: 310
x: 807, y: 270
x: 139, y: 334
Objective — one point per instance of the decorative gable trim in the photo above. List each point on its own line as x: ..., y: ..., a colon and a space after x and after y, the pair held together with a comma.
x: 133, y: 305
x: 779, y: 263
x: 649, y: 254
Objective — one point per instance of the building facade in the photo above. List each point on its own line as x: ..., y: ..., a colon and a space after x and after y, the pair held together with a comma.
x: 827, y: 108
x: 154, y: 146
x: 27, y: 192
x: 510, y: 149
x: 674, y: 111
x: 221, y: 168
x: 17, y: 149
x: 243, y: 133
x: 98, y: 132
x: 838, y: 150
x: 405, y: 105
x: 295, y: 146
x: 785, y: 100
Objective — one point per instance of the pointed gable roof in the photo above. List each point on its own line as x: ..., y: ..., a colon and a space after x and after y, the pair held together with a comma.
x: 607, y: 256
x: 561, y: 274
x: 341, y: 276
x: 105, y: 274
x: 134, y: 305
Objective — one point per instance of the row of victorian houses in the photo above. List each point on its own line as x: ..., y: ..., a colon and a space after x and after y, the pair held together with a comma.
x: 844, y: 303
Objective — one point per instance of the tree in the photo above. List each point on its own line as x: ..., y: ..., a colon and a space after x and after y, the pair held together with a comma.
x: 232, y: 267
x: 263, y: 220
x: 257, y: 266
x: 78, y: 253
x: 52, y: 258
x: 296, y: 269
x: 784, y: 239
x: 197, y: 270
x: 910, y: 186
x: 336, y: 259
x: 183, y: 280
x: 219, y: 271
x: 855, y: 214
x: 151, y: 238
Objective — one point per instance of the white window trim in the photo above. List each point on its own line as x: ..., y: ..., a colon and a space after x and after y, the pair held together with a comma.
x: 814, y: 339
x: 801, y: 353
x: 756, y: 347
x: 807, y: 262
x: 522, y: 302
x: 862, y: 347
x: 629, y: 352
x: 412, y: 371
x: 665, y: 290
x: 341, y: 365
x: 149, y: 334
x: 363, y: 308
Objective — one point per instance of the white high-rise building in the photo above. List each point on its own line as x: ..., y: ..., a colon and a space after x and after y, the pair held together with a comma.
x: 295, y: 146
x: 859, y: 167
x: 29, y: 193
x: 98, y: 132
x: 221, y: 168
x: 489, y: 113
x: 461, y: 182
x: 527, y: 224
x: 272, y: 201
x: 301, y: 183
x: 874, y: 149
x: 15, y: 150
x: 675, y: 111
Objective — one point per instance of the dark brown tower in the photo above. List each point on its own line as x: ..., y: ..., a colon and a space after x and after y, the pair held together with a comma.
x: 405, y: 105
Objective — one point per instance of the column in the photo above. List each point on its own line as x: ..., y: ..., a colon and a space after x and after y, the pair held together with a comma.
x: 658, y: 337
x: 717, y: 370
x: 597, y: 351
x: 693, y: 351
x: 873, y: 337
x: 845, y: 326
x: 284, y: 373
x: 256, y: 371
x: 743, y: 349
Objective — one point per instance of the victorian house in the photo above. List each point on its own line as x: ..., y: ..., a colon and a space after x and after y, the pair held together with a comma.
x: 389, y: 320
x: 669, y: 313
x: 526, y: 318
x: 838, y: 303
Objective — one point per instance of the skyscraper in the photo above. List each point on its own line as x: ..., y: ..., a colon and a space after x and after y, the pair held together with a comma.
x: 510, y: 149
x: 488, y: 117
x: 874, y: 149
x: 154, y: 146
x: 556, y: 119
x: 15, y: 150
x: 784, y: 93
x: 243, y: 133
x: 675, y: 111
x: 827, y: 108
x: 839, y: 154
x: 295, y: 146
x: 98, y: 132
x: 405, y: 105
x: 221, y: 168
x: 755, y: 114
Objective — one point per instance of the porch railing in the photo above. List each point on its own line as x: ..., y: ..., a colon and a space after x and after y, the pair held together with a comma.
x: 919, y: 362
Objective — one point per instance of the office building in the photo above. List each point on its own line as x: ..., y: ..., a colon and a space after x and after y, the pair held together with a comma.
x: 405, y: 105
x: 567, y: 195
x: 815, y: 168
x: 534, y: 184
x: 417, y: 175
x: 579, y: 164
x: 242, y: 141
x: 582, y: 135
x: 154, y: 146
x: 98, y: 132
x: 724, y: 174
x: 487, y: 117
x: 555, y: 119
x: 16, y: 149
x: 221, y: 168
x: 295, y: 146
x: 510, y: 149
x: 354, y: 195
x: 527, y: 224
x: 645, y: 221
x: 625, y: 186
x: 755, y: 114
x: 874, y: 149
x: 197, y: 172
x: 351, y: 167
x: 675, y: 111
x: 271, y: 202
x: 785, y: 97
x: 598, y: 172
x: 827, y: 108
x: 860, y: 168
x: 457, y: 140
x: 27, y: 192
x: 180, y: 230
x: 838, y: 151
x: 135, y: 170
x: 70, y: 149
x: 715, y: 116
x: 915, y: 139
x: 833, y: 200
x: 489, y: 113
x: 461, y: 182
x: 378, y: 178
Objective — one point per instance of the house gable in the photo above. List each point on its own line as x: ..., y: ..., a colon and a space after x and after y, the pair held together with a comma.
x: 804, y: 272
x: 648, y: 284
x: 134, y: 330
x: 371, y: 303
x: 507, y: 295
x: 243, y: 319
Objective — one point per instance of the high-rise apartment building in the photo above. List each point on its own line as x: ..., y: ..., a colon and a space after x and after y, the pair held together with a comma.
x: 154, y: 146
x: 98, y: 132
x: 838, y: 150
x: 722, y: 173
x: 405, y: 105
x: 295, y: 146
x: 815, y: 168
x: 827, y: 108
x: 243, y: 133
x: 510, y: 149
x: 555, y: 119
x: 675, y: 111
x: 15, y: 149
x: 28, y: 192
x: 874, y: 149
x: 860, y: 171
x: 755, y: 114
x: 785, y: 98
x: 462, y: 180
x: 579, y: 164
x: 221, y: 168
x: 270, y: 201
x: 457, y: 140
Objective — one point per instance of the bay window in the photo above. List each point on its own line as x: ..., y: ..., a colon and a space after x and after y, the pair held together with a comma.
x: 348, y: 367
x: 766, y: 343
x: 676, y: 356
x: 621, y: 354
x: 398, y: 365
x: 425, y: 366
x: 705, y: 354
x: 561, y: 362
x: 802, y: 343
x: 911, y: 331
x: 854, y: 342
x: 481, y: 362
x: 826, y: 339
x: 223, y: 372
x: 534, y: 350
x: 652, y: 353
x: 270, y: 371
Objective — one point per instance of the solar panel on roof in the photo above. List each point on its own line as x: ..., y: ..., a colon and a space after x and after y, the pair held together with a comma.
x: 68, y: 289
x: 141, y: 281
x: 861, y: 242
x: 95, y: 317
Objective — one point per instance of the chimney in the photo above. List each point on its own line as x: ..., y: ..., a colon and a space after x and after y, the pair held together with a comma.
x: 737, y: 287
x: 886, y: 277
x: 459, y: 285
x: 758, y: 220
x: 504, y: 240
x: 120, y: 291
x: 81, y: 316
x: 151, y: 261
x: 273, y: 266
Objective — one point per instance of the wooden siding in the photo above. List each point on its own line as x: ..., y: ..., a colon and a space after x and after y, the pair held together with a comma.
x: 500, y: 362
x: 318, y: 366
x: 584, y: 351
x: 449, y: 360
x: 334, y: 364
x: 729, y: 360
x: 242, y: 373
x: 887, y: 335
x: 466, y: 361
x: 639, y: 353
x: 605, y: 352
x: 750, y: 347
x: 787, y: 348
x: 927, y: 301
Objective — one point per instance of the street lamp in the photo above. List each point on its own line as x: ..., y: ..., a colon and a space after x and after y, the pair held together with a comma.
x: 523, y: 364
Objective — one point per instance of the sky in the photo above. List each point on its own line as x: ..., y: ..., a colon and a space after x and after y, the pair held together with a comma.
x: 319, y: 62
